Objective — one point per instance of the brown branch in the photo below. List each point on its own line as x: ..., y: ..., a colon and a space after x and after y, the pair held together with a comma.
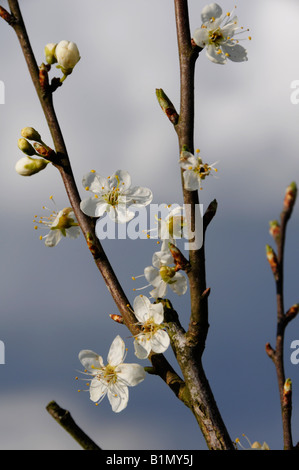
x: 87, y: 224
x: 276, y: 262
x: 191, y: 345
x: 188, y: 54
x: 64, y: 418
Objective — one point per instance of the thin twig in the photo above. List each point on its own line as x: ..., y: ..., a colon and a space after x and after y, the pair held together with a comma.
x: 189, y: 347
x: 277, y: 265
x: 87, y: 224
x: 64, y: 418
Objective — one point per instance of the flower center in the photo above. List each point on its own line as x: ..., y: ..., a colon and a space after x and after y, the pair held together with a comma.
x: 109, y: 374
x: 65, y: 221
x: 112, y: 196
x: 167, y: 273
x: 150, y: 327
x: 175, y: 224
x: 202, y: 169
x: 216, y: 37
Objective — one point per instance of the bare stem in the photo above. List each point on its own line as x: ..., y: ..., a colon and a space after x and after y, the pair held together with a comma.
x: 64, y: 418
x: 87, y: 224
x: 283, y: 319
x: 203, y: 403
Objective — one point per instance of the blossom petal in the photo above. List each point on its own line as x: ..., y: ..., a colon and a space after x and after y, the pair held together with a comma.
x: 141, y: 306
x: 160, y: 290
x: 215, y: 54
x: 213, y: 10
x: 73, y: 232
x: 142, y: 347
x: 138, y: 196
x: 201, y: 37
x: 191, y: 181
x: 94, y: 207
x: 120, y: 214
x: 180, y: 285
x: 95, y: 182
x: 130, y: 374
x: 116, y: 351
x: 157, y: 312
x: 90, y: 360
x: 236, y: 53
x: 97, y: 390
x: 160, y: 342
x: 152, y: 275
x: 163, y: 257
x: 53, y: 238
x: 118, y: 397
x: 187, y: 160
x: 120, y: 179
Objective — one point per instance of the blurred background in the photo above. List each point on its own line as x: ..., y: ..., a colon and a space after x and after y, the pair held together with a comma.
x: 54, y: 302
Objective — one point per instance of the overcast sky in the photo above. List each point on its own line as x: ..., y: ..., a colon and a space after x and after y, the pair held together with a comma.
x: 53, y: 301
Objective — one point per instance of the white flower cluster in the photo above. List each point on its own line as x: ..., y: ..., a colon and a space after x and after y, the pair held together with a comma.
x: 65, y: 54
x: 62, y: 223
x: 114, y: 378
x: 218, y: 34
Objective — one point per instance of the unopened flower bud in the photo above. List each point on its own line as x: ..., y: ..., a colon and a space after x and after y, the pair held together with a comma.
x: 179, y: 259
x: 290, y: 197
x: 274, y: 230
x: 116, y: 318
x: 272, y: 258
x: 292, y: 312
x: 50, y: 53
x: 287, y: 394
x: 67, y: 55
x: 30, y: 134
x: 43, y: 150
x: 287, y: 386
x: 167, y: 106
x: 26, y: 147
x: 28, y: 166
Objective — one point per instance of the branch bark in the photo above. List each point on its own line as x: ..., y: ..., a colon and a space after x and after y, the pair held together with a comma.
x: 189, y: 346
x: 277, y: 355
x: 87, y: 224
x: 64, y: 418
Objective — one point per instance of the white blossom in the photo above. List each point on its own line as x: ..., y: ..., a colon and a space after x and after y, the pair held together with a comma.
x: 195, y: 170
x: 61, y: 224
x: 113, y: 379
x: 153, y: 336
x: 162, y: 275
x: 255, y: 446
x: 67, y: 55
x: 113, y: 195
x: 28, y: 166
x: 218, y: 34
